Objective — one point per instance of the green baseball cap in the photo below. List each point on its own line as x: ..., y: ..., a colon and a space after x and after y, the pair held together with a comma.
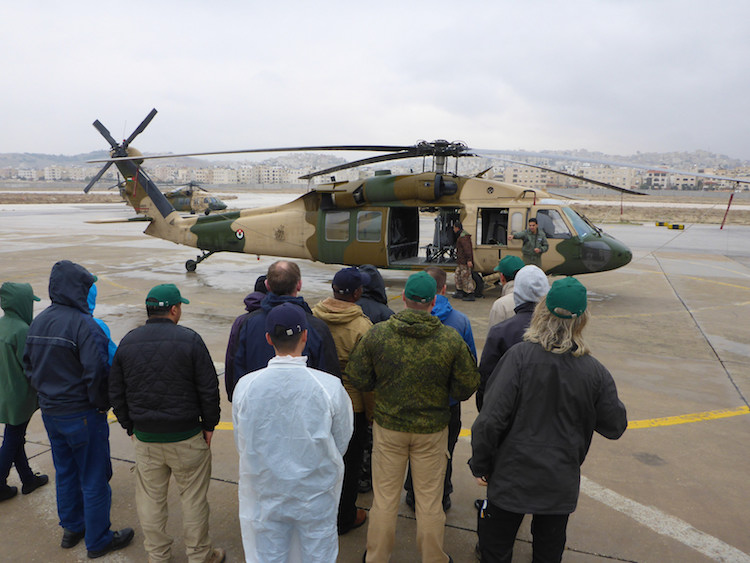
x: 420, y: 287
x: 164, y: 295
x: 509, y: 265
x: 567, y: 298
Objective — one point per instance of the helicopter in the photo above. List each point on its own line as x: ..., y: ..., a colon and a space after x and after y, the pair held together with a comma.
x: 188, y: 198
x: 184, y: 198
x: 376, y: 220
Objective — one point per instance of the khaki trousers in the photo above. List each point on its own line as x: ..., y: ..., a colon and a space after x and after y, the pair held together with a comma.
x: 190, y: 463
x: 428, y: 456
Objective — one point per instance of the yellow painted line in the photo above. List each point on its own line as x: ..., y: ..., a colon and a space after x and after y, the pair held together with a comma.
x: 632, y: 425
x: 671, y: 420
x: 687, y: 418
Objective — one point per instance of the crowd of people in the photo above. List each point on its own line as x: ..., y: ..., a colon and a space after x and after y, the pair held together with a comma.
x: 327, y: 401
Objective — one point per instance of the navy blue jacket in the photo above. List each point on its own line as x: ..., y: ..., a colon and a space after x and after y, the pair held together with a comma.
x: 252, y: 304
x: 66, y: 358
x: 499, y: 340
x: 253, y: 352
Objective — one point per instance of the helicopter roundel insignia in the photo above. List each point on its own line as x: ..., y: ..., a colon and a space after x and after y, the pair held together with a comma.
x: 240, y: 234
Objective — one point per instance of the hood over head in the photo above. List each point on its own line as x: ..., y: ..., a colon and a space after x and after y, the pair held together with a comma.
x: 17, y: 299
x: 69, y: 285
x: 531, y: 284
x: 375, y: 288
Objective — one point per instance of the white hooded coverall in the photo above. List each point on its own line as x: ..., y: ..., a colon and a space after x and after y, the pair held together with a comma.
x: 292, y: 425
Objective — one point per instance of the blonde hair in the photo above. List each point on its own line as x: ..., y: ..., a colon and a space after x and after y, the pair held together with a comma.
x: 555, y: 334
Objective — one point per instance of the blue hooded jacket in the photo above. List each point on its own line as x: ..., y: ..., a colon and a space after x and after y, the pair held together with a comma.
x: 66, y: 350
x: 253, y: 352
x: 91, y: 300
x: 444, y: 311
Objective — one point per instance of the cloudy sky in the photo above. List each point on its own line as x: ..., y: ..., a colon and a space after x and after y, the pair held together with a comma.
x: 616, y: 76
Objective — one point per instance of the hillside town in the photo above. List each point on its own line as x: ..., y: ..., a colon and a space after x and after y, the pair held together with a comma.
x: 287, y: 171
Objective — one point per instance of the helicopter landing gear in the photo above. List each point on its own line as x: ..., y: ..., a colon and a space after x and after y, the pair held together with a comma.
x: 191, y: 265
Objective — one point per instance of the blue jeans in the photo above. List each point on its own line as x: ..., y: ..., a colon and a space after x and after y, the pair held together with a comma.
x: 83, y: 468
x: 13, y: 451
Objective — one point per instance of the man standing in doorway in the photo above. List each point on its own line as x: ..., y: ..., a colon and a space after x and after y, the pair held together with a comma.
x: 465, y: 285
x: 534, y: 243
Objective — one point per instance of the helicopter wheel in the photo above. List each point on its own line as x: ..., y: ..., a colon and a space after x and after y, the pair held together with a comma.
x: 207, y: 211
x: 190, y: 265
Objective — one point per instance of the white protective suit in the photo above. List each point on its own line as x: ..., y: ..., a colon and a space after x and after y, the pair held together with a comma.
x: 292, y: 425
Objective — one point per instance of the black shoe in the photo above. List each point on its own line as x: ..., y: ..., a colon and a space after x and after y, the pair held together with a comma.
x: 446, y: 504
x: 119, y: 540
x: 365, y: 485
x: 8, y: 492
x: 410, y: 499
x: 36, y: 482
x: 469, y: 297
x: 71, y: 539
x: 459, y: 294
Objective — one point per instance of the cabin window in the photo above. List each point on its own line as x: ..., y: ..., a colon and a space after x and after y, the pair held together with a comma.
x: 552, y: 223
x: 337, y: 225
x: 492, y: 226
x: 369, y: 226
x: 517, y: 222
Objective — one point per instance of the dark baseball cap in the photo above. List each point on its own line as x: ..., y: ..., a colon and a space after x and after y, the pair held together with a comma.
x: 286, y: 320
x: 348, y: 280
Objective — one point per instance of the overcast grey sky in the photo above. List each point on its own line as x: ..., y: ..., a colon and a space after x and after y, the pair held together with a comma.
x: 616, y: 76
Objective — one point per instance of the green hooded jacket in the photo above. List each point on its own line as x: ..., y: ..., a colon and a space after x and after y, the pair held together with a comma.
x: 17, y: 398
x: 413, y: 363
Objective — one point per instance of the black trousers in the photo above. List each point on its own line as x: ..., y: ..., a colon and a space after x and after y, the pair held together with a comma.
x: 352, y: 465
x: 497, y: 529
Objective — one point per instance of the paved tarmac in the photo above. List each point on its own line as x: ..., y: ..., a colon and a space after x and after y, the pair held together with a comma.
x: 672, y: 327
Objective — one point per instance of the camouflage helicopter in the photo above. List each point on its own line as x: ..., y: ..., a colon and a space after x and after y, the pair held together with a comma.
x: 185, y: 198
x: 377, y: 220
x: 188, y: 198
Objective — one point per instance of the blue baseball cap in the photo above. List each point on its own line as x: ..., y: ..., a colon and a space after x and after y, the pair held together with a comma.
x: 286, y: 320
x: 348, y: 280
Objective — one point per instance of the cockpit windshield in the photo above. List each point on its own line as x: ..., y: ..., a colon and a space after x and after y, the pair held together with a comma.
x: 582, y: 225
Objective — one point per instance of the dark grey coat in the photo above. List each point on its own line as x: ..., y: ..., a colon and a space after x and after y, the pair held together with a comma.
x: 535, y: 427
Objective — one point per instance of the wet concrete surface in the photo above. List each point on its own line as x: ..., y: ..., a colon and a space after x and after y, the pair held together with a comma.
x: 672, y: 327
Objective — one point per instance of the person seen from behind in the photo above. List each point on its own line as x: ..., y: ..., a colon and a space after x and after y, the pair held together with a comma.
x: 548, y: 396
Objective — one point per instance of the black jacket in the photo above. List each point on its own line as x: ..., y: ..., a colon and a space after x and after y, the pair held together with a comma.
x: 163, y: 380
x: 536, y: 426
x: 66, y: 357
x: 500, y: 338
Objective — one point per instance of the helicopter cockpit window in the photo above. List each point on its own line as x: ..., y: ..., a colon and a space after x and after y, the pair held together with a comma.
x: 337, y: 225
x: 579, y: 223
x: 369, y: 226
x: 552, y: 223
x: 493, y: 226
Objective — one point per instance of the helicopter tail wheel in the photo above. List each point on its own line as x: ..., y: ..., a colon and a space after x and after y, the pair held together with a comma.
x: 191, y: 265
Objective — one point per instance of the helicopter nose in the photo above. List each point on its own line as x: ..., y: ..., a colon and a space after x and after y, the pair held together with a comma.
x: 605, y: 254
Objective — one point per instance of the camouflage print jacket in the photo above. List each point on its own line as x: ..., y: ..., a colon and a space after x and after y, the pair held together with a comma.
x: 413, y: 363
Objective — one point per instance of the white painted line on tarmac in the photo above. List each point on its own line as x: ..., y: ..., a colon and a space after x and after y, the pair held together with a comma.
x: 665, y: 524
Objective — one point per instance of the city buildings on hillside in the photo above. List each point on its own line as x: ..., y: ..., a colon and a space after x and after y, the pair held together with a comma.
x: 512, y: 173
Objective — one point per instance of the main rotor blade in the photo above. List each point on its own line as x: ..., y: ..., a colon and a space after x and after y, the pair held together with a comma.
x: 583, y: 178
x: 490, y: 153
x: 105, y: 133
x: 140, y: 128
x: 96, y: 178
x: 360, y: 148
x: 382, y: 158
